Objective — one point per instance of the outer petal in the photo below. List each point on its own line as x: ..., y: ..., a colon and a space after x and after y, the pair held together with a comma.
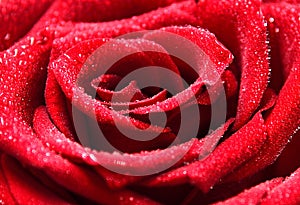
x: 24, y: 188
x: 175, y: 14
x: 253, y: 195
x: 5, y: 193
x: 94, y: 11
x: 237, y: 149
x: 17, y: 17
x: 199, y: 151
x: 24, y: 68
x: 286, y: 193
x: 284, y: 119
x: 240, y: 27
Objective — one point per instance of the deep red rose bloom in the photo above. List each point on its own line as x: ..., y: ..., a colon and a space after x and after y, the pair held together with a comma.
x: 150, y: 102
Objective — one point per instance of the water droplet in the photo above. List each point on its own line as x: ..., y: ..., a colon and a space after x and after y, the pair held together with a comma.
x: 84, y: 155
x: 7, y: 37
x: 32, y: 40
x: 93, y: 157
x: 67, y: 56
x: 15, y: 52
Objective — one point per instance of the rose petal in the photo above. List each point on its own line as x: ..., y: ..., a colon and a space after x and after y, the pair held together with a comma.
x: 23, y: 66
x: 6, y: 196
x: 230, y: 154
x: 281, y: 124
x: 288, y: 192
x: 117, y: 181
x: 230, y: 86
x: 175, y: 14
x: 17, y: 17
x: 42, y: 177
x: 253, y: 195
x: 57, y: 106
x: 24, y: 188
x: 131, y: 92
x: 198, y: 151
x: 200, y: 173
x: 94, y: 11
x: 284, y: 119
x: 71, y: 176
x: 286, y: 24
x: 159, y: 97
x: 206, y: 42
x: 55, y: 140
x: 241, y: 29
x: 288, y: 161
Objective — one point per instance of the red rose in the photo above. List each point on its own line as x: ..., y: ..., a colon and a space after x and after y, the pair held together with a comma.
x: 132, y: 102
